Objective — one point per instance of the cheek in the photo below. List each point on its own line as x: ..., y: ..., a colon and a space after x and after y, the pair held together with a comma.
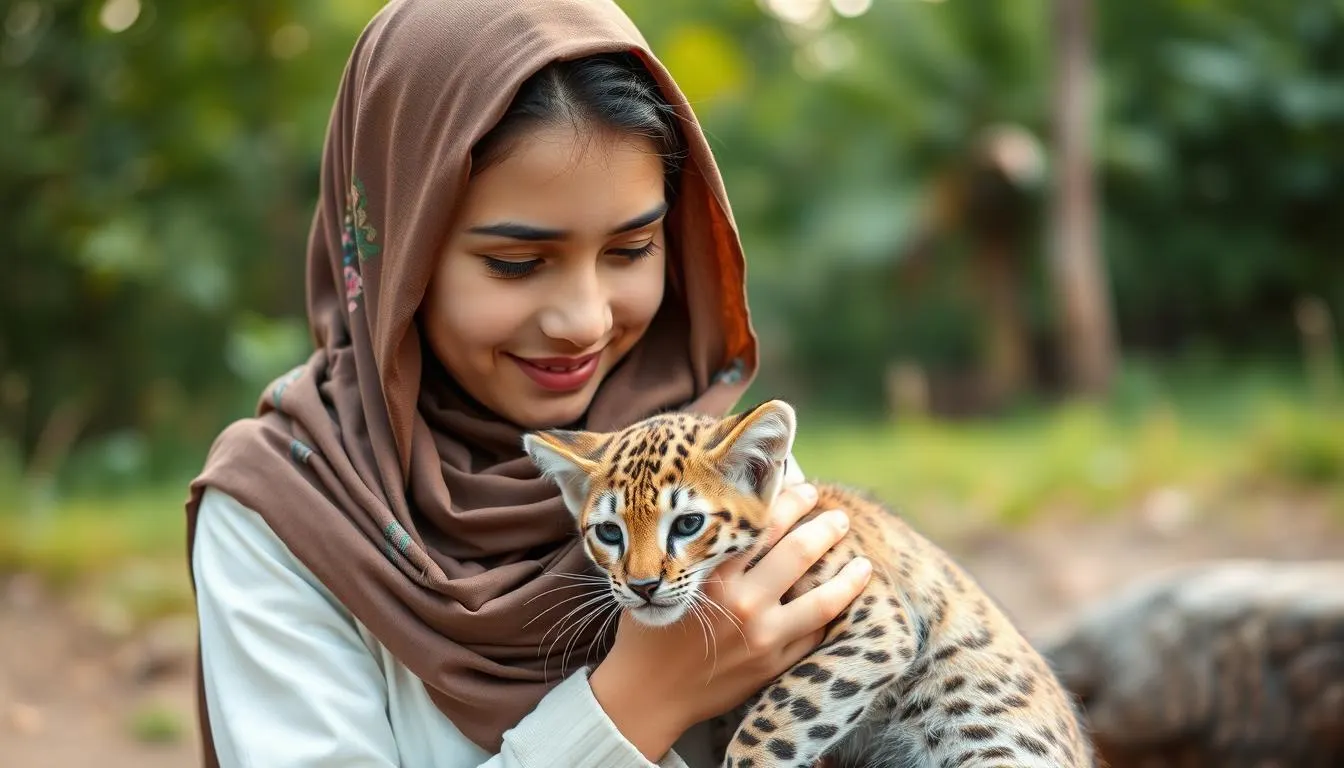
x: 467, y: 313
x: 638, y: 293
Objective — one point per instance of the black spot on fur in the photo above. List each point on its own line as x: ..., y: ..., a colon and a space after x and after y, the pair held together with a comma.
x: 875, y: 631
x: 854, y: 716
x: 1015, y: 701
x: 953, y: 683
x: 989, y: 686
x: 999, y: 752
x: 763, y: 725
x: 990, y: 710
x: 779, y: 693
x: 1033, y: 746
x: 869, y: 600
x: 723, y: 515
x: 844, y: 651
x: 812, y: 672
x: 877, y: 657
x: 979, y: 640
x: 803, y: 709
x: 915, y: 709
x: 881, y: 682
x: 860, y: 615
x: 782, y: 749
x: 747, y: 738
x: 943, y: 654
x: 843, y: 689
x: 979, y: 732
x: 822, y: 731
x: 958, y: 707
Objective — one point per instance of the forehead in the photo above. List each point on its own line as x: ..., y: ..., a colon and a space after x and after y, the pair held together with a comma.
x: 582, y: 178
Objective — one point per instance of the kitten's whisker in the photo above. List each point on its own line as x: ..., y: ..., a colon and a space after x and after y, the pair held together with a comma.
x: 560, y: 623
x: 737, y: 623
x: 710, y: 638
x: 574, y: 636
x: 556, y: 589
x: 570, y: 627
x: 602, y: 631
x: 573, y: 628
x: 569, y: 599
x: 579, y: 577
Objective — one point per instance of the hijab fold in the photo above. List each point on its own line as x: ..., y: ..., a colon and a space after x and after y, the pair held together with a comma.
x: 413, y: 505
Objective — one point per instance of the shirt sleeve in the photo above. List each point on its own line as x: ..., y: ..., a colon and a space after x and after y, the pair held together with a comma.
x: 289, y: 680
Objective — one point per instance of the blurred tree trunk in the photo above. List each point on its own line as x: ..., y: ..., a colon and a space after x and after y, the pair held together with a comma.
x: 1080, y: 284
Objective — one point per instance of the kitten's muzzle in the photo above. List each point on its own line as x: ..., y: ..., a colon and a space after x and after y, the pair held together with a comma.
x: 645, y: 588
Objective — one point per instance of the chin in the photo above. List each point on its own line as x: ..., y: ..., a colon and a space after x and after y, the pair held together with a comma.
x: 553, y: 415
x: 658, y: 615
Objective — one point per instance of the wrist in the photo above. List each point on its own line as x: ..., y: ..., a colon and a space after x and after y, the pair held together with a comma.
x: 639, y: 706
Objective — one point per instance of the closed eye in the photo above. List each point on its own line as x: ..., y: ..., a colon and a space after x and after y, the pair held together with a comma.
x: 509, y: 270
x: 635, y: 254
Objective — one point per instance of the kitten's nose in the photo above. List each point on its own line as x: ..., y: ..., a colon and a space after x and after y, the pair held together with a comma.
x: 645, y: 587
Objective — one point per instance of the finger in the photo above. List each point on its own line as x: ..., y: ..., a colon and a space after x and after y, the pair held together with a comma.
x: 791, y: 558
x: 790, y: 506
x: 796, y: 650
x: 818, y: 607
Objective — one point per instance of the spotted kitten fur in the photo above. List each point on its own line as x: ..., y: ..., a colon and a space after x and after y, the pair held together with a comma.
x: 922, y: 670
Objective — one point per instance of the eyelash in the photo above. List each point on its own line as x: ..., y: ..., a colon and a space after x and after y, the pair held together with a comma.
x: 512, y: 270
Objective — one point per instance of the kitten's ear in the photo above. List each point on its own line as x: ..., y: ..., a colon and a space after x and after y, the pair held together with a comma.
x: 569, y: 459
x: 752, y: 449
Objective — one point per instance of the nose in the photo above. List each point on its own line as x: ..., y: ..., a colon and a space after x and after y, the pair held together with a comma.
x: 645, y: 587
x: 580, y: 312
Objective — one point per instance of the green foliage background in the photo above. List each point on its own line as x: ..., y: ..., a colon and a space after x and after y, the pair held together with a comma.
x: 156, y: 185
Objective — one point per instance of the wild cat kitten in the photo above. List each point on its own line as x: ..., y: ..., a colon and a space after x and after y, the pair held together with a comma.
x: 922, y: 670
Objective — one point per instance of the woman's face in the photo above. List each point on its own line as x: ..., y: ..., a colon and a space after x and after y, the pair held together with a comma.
x: 553, y: 271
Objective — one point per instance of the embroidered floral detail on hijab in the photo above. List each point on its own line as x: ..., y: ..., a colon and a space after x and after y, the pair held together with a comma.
x: 357, y: 242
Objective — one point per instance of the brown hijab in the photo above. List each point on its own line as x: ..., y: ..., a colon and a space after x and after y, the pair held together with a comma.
x: 415, y: 507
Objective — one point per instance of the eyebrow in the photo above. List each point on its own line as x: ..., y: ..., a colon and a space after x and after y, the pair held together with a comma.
x: 516, y: 231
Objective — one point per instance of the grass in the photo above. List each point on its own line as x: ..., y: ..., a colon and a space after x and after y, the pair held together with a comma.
x: 1205, y: 439
x: 1084, y: 458
x: 156, y: 724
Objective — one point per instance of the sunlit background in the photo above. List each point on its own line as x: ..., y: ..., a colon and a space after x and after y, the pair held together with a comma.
x: 1067, y: 294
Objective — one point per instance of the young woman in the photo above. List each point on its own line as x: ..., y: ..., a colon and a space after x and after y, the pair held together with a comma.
x: 520, y: 226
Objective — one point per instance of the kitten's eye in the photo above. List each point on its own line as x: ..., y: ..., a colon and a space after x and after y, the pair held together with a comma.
x: 687, y: 525
x: 608, y: 533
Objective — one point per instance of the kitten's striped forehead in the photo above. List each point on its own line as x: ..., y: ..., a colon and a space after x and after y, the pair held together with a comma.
x: 651, y: 457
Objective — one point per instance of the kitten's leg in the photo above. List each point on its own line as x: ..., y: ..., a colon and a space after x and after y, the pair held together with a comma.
x: 814, y: 705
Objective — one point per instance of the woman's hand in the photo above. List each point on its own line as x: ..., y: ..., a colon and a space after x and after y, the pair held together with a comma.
x: 657, y: 682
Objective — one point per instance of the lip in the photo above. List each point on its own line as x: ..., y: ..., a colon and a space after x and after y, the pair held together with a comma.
x: 559, y: 374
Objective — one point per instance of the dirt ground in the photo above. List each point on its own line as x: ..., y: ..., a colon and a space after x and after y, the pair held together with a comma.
x: 71, y: 694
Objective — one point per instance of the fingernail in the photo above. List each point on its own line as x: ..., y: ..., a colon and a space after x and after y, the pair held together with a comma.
x: 807, y: 490
x: 839, y: 519
x: 862, y: 567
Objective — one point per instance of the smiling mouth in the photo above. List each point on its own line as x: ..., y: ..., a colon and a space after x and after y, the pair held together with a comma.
x: 559, y: 374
